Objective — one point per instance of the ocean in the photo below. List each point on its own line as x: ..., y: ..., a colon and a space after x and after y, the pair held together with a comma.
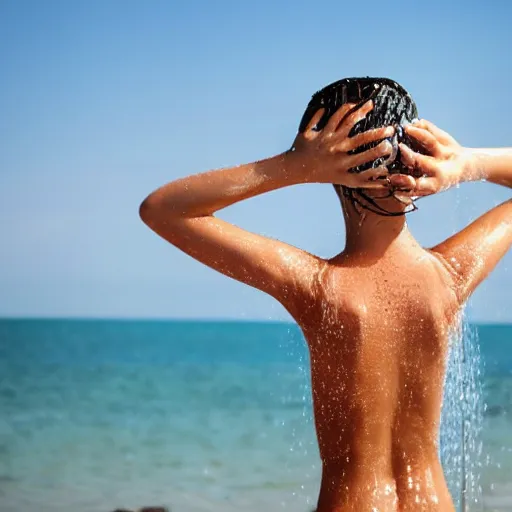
x: 97, y: 415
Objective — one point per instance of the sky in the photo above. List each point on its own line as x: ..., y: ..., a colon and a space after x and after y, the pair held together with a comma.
x: 101, y: 102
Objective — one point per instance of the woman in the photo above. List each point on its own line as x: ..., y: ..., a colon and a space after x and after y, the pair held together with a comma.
x: 377, y: 316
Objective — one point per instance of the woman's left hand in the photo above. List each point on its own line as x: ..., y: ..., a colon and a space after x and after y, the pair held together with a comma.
x: 445, y: 165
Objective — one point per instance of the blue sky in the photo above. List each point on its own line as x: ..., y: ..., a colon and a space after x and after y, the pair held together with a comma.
x: 103, y: 101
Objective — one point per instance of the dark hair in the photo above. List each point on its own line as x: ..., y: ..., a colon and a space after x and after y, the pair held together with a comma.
x: 393, y: 105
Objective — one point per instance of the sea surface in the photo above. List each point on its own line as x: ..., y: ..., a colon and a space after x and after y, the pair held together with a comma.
x: 208, y: 416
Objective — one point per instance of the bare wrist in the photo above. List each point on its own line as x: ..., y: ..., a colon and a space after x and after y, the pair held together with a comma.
x: 281, y: 170
x: 493, y: 165
x: 298, y: 170
x: 475, y: 165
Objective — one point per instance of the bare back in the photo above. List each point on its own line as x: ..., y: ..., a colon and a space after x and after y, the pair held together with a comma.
x: 378, y: 336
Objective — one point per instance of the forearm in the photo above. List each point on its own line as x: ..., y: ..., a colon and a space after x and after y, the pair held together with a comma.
x: 205, y: 193
x: 493, y: 165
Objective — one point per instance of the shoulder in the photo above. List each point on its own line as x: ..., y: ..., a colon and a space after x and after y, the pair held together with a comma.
x: 472, y: 253
x: 450, y: 279
x: 304, y: 294
x: 321, y: 286
x: 445, y: 266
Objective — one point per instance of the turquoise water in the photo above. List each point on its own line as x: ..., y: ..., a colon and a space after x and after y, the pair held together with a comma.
x: 200, y: 416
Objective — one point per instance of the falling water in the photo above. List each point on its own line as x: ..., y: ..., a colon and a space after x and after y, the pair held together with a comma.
x: 462, y: 420
x: 303, y: 441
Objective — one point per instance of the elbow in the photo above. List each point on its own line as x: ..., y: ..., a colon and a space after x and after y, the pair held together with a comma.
x: 158, y: 219
x: 150, y: 210
x: 156, y: 214
x: 146, y: 210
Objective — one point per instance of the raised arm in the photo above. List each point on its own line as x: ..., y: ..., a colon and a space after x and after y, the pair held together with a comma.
x: 182, y: 212
x: 472, y: 253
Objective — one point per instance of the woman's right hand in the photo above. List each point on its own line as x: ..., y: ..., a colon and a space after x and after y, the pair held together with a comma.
x: 446, y: 165
x: 323, y: 156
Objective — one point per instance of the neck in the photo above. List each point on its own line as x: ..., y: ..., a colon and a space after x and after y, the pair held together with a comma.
x: 371, y: 234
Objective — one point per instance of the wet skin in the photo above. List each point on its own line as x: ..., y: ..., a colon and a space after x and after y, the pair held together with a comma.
x: 378, y: 335
x: 377, y: 317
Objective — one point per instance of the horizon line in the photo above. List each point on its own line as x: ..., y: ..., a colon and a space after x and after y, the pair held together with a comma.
x: 187, y: 319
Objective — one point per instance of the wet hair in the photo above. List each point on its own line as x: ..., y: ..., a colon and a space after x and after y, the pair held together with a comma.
x: 393, y: 105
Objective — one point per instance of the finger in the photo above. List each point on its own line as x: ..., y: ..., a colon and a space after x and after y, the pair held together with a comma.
x: 315, y: 119
x: 425, y: 138
x: 425, y: 186
x: 441, y: 135
x: 383, y: 149
x: 374, y: 178
x: 402, y: 181
x: 375, y: 174
x: 338, y: 116
x: 415, y: 161
x: 367, y: 137
x: 354, y: 117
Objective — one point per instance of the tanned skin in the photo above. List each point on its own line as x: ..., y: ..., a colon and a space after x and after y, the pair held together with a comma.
x: 377, y: 317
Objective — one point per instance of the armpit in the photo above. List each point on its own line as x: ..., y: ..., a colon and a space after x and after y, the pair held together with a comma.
x: 448, y: 273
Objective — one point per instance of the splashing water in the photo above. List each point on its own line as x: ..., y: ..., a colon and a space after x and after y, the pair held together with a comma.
x: 462, y: 417
x: 462, y: 420
x: 303, y: 447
